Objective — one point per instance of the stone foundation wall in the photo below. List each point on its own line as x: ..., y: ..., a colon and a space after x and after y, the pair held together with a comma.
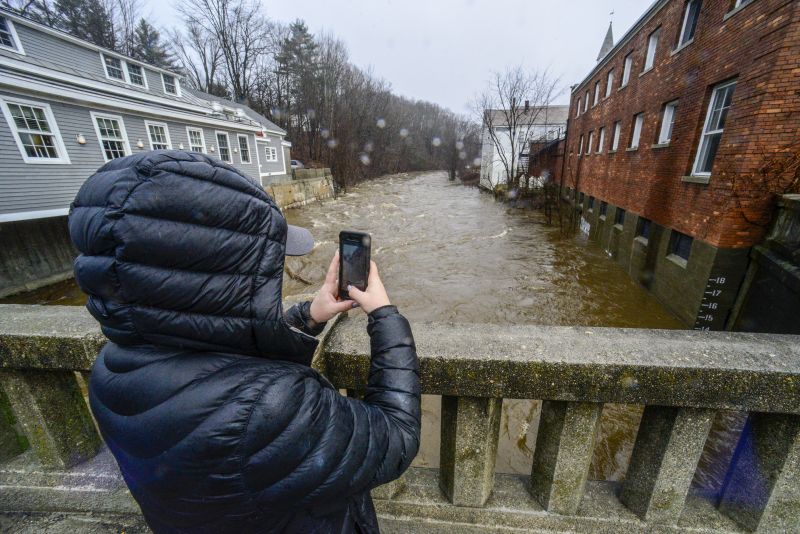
x: 34, y: 253
x: 298, y: 193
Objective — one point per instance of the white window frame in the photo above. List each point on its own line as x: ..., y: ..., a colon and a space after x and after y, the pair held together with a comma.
x: 705, y: 133
x: 601, y: 140
x: 202, y: 138
x: 271, y: 154
x: 177, y: 85
x: 125, y: 143
x: 103, y: 56
x: 626, y: 70
x: 596, y: 92
x: 590, y: 143
x: 636, y: 135
x: 17, y: 48
x: 667, y: 123
x: 617, y: 135
x: 128, y: 75
x: 652, y: 48
x: 217, y: 133
x: 609, y: 82
x: 687, y: 9
x: 578, y: 108
x: 147, y: 125
x: 580, y: 146
x: 239, y: 137
x: 54, y: 131
x: 586, y: 103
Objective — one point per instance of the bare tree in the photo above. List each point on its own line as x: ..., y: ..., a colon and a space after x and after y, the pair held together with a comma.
x: 200, y: 57
x: 508, y: 110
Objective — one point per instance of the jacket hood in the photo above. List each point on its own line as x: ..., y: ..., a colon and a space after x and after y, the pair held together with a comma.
x: 181, y: 250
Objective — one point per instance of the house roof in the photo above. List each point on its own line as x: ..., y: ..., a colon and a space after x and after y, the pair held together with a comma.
x: 252, y: 114
x: 543, y: 115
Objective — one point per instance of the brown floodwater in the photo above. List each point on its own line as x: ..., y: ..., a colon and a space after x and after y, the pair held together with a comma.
x: 452, y: 253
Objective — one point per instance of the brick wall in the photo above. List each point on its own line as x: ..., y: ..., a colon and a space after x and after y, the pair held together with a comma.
x: 759, y: 46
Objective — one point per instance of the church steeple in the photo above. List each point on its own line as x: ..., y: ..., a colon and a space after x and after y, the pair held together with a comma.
x: 608, y: 43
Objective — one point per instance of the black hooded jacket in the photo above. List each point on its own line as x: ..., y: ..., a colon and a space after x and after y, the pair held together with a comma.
x: 204, y: 393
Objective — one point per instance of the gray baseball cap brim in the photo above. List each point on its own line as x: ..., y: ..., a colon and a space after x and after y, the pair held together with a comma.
x: 299, y: 241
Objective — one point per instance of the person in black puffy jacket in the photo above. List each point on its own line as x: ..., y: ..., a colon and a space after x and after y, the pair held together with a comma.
x: 204, y: 393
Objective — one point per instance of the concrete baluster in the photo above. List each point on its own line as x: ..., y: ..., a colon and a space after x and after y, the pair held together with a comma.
x: 563, y: 454
x: 762, y: 492
x: 12, y: 442
x: 470, y: 430
x: 53, y: 415
x: 668, y: 446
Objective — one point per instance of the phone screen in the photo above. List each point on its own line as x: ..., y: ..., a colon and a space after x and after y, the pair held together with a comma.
x: 354, y: 261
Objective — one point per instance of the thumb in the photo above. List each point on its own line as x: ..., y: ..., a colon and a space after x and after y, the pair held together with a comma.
x: 356, y: 294
x: 343, y: 306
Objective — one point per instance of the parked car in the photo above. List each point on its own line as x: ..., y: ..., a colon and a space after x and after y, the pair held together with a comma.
x: 296, y: 164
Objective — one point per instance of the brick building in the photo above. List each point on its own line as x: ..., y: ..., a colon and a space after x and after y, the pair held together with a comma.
x: 679, y: 140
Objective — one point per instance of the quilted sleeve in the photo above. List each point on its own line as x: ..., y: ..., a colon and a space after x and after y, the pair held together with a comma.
x: 324, y: 447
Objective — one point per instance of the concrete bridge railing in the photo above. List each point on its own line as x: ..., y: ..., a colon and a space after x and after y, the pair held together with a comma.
x: 682, y: 378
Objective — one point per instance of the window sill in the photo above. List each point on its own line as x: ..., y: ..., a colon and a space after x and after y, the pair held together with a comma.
x: 677, y: 260
x: 696, y: 179
x: 612, y: 151
x: 599, y: 153
x: 642, y: 240
x: 645, y: 72
x: 734, y: 11
x: 632, y: 149
x: 602, y: 217
x: 622, y: 87
x: 618, y: 227
x: 681, y: 47
x: 660, y: 145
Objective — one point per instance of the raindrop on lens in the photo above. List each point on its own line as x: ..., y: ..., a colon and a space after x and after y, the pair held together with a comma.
x: 368, y: 147
x: 460, y: 146
x: 476, y: 162
x: 381, y: 123
x: 403, y: 132
x: 436, y: 141
x: 325, y: 133
x: 462, y: 155
x: 332, y: 143
x: 364, y: 158
x: 311, y: 113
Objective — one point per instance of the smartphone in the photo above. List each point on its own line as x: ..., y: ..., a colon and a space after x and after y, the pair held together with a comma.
x: 354, y: 253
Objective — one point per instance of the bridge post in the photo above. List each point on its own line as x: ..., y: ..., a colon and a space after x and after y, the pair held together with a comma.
x: 564, y: 447
x: 11, y: 442
x: 762, y: 492
x: 470, y: 431
x: 668, y: 446
x: 53, y: 415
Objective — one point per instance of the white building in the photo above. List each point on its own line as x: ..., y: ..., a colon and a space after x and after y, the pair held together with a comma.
x: 538, y: 123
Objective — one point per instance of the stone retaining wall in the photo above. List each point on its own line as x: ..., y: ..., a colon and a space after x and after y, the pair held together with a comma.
x: 298, y: 193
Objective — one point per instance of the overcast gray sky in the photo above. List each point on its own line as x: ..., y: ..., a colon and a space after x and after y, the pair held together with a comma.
x: 444, y: 50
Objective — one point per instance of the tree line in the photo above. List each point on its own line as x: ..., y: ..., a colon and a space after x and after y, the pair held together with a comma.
x: 336, y: 114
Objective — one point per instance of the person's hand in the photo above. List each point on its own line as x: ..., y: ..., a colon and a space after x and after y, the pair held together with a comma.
x: 325, y: 305
x: 375, y: 296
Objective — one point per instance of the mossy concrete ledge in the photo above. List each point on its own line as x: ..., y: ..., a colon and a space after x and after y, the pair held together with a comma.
x: 720, y: 370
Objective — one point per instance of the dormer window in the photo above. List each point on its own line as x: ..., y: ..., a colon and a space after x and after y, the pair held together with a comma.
x: 136, y: 75
x: 8, y: 36
x: 170, y: 84
x: 114, y: 68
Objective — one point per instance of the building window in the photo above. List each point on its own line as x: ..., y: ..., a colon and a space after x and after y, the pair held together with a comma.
x: 591, y: 203
x: 680, y: 245
x: 667, y: 123
x: 601, y: 140
x: 589, y: 144
x: 718, y: 108
x: 9, y: 39
x: 159, y: 135
x: 619, y: 217
x: 272, y: 153
x: 691, y: 13
x: 586, y: 103
x: 111, y: 133
x: 197, y: 142
x: 609, y: 82
x: 652, y: 46
x: 638, y: 121
x: 617, y: 132
x: 740, y: 3
x: 603, y: 209
x: 136, y: 74
x: 580, y: 146
x: 596, y: 92
x: 170, y: 84
x: 224, y: 147
x: 626, y: 71
x: 114, y: 68
x: 578, y: 107
x: 35, y: 131
x: 244, y: 149
x: 643, y: 228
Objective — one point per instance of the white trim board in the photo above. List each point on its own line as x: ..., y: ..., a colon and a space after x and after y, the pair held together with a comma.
x: 29, y: 215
